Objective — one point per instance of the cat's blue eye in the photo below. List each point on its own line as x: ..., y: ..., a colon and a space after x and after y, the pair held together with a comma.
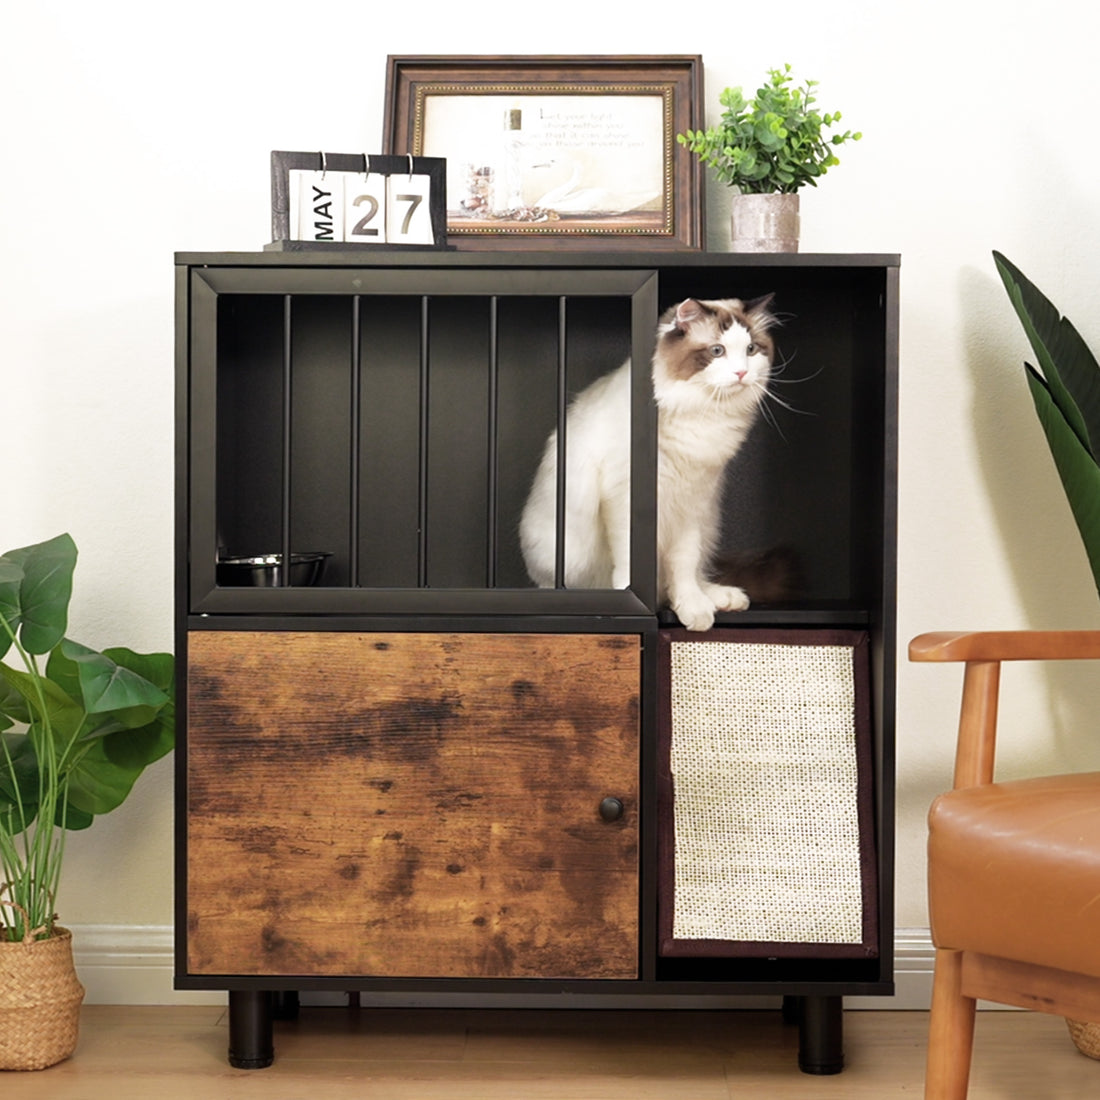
x: 717, y: 350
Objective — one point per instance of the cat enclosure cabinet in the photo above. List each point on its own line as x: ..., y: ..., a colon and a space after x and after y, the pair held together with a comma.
x: 406, y: 771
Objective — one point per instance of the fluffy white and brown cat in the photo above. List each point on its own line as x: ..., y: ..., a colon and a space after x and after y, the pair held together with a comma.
x: 710, y: 375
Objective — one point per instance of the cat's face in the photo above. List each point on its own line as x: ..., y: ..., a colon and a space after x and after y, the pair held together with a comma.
x: 713, y: 352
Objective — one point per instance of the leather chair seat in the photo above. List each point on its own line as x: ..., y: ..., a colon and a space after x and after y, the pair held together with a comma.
x: 1014, y: 871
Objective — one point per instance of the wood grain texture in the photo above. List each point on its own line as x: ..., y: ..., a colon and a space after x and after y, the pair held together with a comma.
x: 412, y: 804
x: 1006, y: 645
x: 1038, y: 988
x: 178, y: 1053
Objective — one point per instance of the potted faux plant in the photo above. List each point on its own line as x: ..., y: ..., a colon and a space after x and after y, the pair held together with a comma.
x: 1066, y: 392
x: 768, y: 147
x: 77, y: 727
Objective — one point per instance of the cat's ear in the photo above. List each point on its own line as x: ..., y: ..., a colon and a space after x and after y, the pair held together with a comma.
x: 687, y: 312
x: 759, y: 313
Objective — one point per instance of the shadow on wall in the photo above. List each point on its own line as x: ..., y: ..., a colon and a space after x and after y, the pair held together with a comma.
x: 1043, y: 546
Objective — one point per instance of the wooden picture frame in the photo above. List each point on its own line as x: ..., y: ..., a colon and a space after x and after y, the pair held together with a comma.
x: 562, y: 152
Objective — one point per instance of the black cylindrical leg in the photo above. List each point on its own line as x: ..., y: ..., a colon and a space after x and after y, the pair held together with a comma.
x: 821, y: 1035
x: 251, y: 1043
x: 285, y: 1005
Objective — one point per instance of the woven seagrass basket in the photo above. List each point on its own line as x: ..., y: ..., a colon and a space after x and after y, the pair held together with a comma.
x: 40, y: 998
x: 1085, y: 1036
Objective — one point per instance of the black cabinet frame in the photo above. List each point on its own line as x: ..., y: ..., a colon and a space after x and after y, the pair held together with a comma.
x: 830, y: 486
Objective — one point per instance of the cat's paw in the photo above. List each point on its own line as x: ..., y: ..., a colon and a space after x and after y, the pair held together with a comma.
x: 695, y: 611
x: 727, y: 597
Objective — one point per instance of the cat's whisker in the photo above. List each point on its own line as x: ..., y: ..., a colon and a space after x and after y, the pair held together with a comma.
x: 796, y: 381
x: 768, y: 415
x: 781, y: 367
x: 770, y: 396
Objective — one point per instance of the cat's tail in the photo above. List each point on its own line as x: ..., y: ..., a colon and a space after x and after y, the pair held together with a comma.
x: 773, y: 575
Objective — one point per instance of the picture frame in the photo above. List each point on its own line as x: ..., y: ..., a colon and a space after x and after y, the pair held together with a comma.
x: 359, y: 167
x: 554, y: 151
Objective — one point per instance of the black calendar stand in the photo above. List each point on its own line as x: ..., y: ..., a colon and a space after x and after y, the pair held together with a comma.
x: 282, y: 163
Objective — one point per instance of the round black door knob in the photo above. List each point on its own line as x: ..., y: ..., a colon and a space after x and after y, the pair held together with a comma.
x: 611, y: 809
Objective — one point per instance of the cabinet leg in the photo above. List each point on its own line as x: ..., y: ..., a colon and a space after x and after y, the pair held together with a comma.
x: 821, y: 1035
x: 251, y: 1042
x: 285, y: 1005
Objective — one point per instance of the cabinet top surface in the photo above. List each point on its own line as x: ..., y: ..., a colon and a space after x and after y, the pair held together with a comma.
x: 339, y: 257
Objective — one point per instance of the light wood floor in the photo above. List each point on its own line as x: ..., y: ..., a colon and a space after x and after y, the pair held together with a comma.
x: 431, y: 1054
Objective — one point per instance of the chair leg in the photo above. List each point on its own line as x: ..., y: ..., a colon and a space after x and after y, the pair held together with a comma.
x: 950, y: 1031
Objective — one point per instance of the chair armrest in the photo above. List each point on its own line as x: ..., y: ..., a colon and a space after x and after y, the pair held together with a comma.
x: 983, y: 652
x: 1005, y: 645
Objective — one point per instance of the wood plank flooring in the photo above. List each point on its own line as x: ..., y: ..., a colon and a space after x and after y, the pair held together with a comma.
x: 169, y: 1053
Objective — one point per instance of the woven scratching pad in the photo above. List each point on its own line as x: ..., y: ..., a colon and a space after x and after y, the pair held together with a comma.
x: 768, y: 799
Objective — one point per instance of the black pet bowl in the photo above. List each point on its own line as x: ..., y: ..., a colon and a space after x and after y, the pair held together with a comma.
x: 266, y: 570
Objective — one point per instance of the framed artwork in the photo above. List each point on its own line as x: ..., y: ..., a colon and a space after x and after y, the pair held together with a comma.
x: 555, y: 151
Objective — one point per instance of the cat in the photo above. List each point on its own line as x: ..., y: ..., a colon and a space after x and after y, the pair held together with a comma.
x: 710, y: 375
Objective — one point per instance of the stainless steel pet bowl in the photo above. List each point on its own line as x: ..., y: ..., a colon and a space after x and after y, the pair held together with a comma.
x: 266, y: 570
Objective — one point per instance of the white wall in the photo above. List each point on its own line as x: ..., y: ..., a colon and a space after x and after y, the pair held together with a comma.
x: 133, y: 131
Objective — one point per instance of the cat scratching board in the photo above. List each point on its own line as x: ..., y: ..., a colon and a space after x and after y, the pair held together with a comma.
x: 766, y: 836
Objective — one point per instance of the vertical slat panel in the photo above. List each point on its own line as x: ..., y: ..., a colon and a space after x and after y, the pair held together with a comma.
x: 643, y: 448
x: 492, y: 524
x: 422, y: 486
x: 354, y: 450
x: 288, y: 372
x: 563, y: 396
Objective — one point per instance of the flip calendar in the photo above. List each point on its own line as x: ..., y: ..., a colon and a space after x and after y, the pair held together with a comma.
x: 340, y: 200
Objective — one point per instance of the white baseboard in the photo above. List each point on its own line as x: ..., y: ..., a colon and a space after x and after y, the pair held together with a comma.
x: 133, y: 964
x: 127, y: 964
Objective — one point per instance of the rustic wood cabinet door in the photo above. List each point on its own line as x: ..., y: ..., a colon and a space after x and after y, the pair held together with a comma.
x: 412, y: 805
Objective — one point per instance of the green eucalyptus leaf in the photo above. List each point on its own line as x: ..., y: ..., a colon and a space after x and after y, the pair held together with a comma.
x: 779, y: 129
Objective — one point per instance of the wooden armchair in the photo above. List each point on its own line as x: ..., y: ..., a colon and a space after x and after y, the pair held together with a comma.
x: 1013, y: 868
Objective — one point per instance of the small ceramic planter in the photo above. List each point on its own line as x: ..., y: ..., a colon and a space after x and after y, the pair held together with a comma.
x: 764, y: 223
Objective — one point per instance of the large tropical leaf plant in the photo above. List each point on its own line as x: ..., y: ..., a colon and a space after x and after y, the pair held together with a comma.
x: 1066, y: 390
x: 77, y: 727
